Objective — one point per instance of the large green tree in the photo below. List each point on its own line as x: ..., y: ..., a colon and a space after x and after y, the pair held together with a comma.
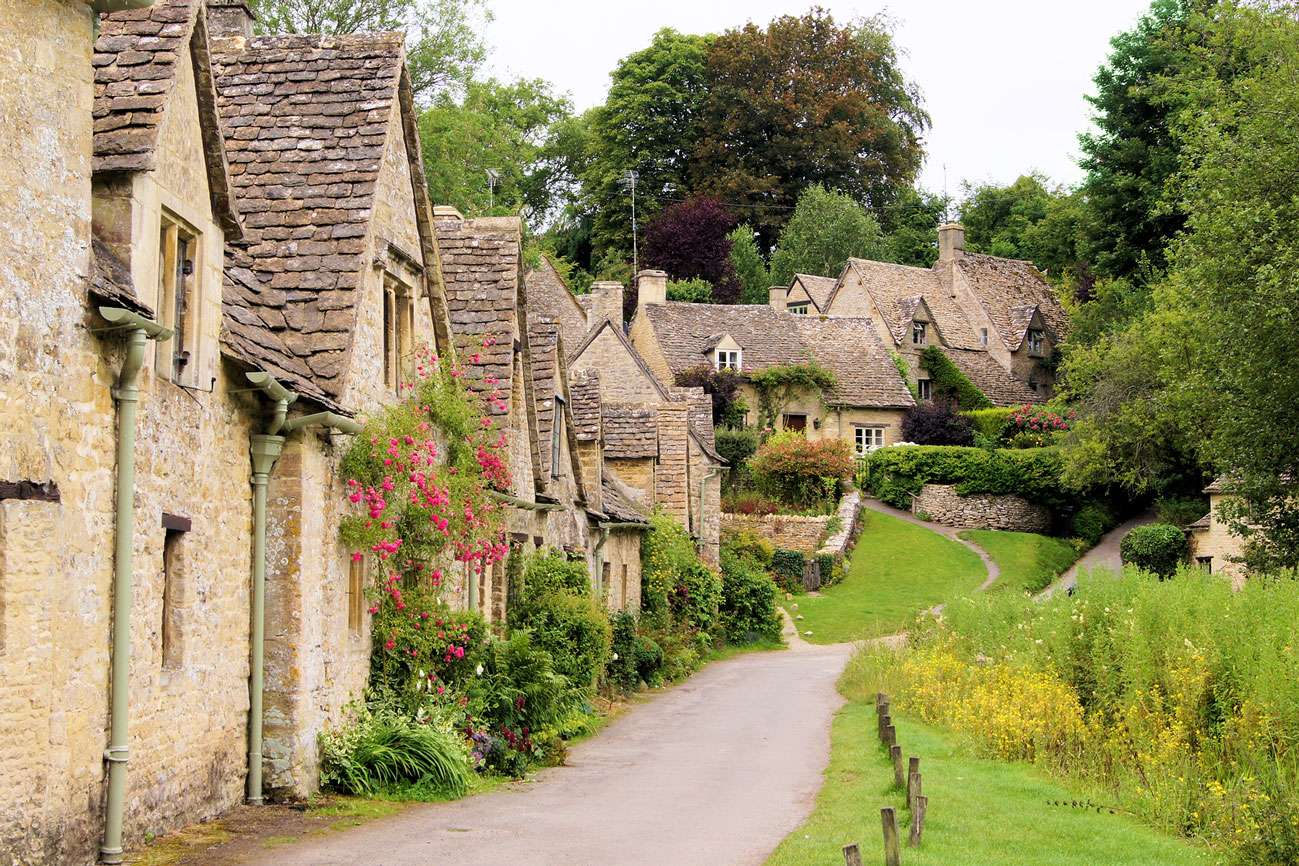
x: 445, y: 45
x: 805, y: 101
x: 1027, y: 220
x: 827, y: 228
x: 910, y: 222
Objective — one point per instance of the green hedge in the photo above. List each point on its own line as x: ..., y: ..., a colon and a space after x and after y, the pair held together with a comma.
x: 748, y: 608
x: 1157, y: 547
x: 896, y: 474
x: 950, y: 383
x: 990, y: 423
x: 787, y: 566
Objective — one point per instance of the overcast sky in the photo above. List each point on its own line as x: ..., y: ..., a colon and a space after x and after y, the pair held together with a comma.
x: 1003, y: 80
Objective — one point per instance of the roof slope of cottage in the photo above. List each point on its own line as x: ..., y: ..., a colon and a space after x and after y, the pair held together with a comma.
x: 136, y: 59
x: 818, y: 289
x: 543, y: 338
x: 584, y: 391
x: 1010, y: 290
x: 618, y: 505
x: 848, y: 347
x: 550, y: 297
x: 890, y: 284
x: 480, y: 265
x: 1000, y: 387
x: 306, y: 120
x: 630, y: 432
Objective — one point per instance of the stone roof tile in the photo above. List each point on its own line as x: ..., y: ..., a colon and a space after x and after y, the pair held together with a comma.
x: 889, y: 283
x: 818, y: 289
x: 110, y: 280
x: 1003, y: 389
x: 1009, y: 291
x: 584, y: 391
x: 618, y: 505
x: 630, y: 432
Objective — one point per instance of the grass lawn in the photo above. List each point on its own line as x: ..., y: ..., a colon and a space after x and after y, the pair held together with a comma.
x: 980, y: 813
x: 1028, y: 562
x: 897, y: 570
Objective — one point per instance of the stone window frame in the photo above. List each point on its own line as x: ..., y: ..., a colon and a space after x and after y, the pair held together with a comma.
x: 398, y: 328
x: 863, y: 432
x: 180, y: 298
x: 925, y: 389
x: 1206, y: 561
x: 1035, y: 339
x: 728, y: 359
x: 556, y: 422
x: 799, y: 309
x: 785, y: 421
x: 919, y: 333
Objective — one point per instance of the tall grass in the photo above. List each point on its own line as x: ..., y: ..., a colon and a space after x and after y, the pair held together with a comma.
x: 1180, y: 698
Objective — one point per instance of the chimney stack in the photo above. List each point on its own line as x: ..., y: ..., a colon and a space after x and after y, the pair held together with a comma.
x: 777, y: 295
x: 651, y: 288
x: 230, y: 18
x: 951, y: 242
x: 446, y: 212
x: 606, y: 301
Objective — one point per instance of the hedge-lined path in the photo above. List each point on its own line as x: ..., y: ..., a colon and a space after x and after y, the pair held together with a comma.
x: 946, y: 531
x: 1104, y: 555
x: 715, y: 772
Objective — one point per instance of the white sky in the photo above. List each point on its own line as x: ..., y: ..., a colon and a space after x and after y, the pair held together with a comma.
x: 1003, y: 80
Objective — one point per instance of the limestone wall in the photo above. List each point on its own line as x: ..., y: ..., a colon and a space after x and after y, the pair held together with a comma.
x: 837, y: 545
x: 791, y: 532
x: 942, y: 505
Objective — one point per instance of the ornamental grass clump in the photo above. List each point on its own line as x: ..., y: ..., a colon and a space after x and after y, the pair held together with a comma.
x: 382, y: 750
x: 802, y: 473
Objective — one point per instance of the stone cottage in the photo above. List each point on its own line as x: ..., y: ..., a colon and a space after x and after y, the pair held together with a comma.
x: 191, y: 205
x: 1212, y: 544
x: 864, y: 408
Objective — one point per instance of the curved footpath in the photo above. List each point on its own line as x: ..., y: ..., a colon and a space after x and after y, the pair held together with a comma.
x: 714, y: 772
x: 1104, y: 555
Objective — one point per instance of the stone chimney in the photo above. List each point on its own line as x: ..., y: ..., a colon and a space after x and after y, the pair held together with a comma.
x: 230, y: 18
x: 606, y: 301
x: 778, y: 294
x: 446, y: 212
x: 652, y: 288
x: 951, y: 242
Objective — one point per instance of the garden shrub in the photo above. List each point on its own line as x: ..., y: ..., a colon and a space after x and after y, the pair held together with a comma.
x: 553, y: 571
x: 990, y: 423
x: 748, y: 608
x: 675, y: 586
x: 747, y: 502
x: 1092, y: 521
x: 380, y: 748
x: 936, y: 423
x: 949, y: 383
x: 1156, y: 547
x: 896, y: 474
x: 801, y: 472
x: 826, y: 562
x: 696, y: 291
x: 1034, y: 426
x: 573, y: 629
x: 735, y: 444
x: 787, y: 566
x: 419, y: 643
x: 747, y: 544
x: 621, y: 669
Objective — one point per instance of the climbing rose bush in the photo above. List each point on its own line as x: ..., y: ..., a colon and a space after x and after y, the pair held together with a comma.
x: 1033, y: 426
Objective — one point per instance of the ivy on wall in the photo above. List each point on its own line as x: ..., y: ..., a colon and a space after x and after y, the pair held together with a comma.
x: 949, y: 383
x: 777, y: 384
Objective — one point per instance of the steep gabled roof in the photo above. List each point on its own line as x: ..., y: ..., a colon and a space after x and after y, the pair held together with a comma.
x: 618, y: 504
x: 306, y: 120
x: 1009, y: 291
x: 849, y: 347
x: 137, y: 62
x: 1003, y: 389
x: 888, y: 284
x: 630, y: 432
x: 543, y: 336
x: 550, y: 297
x: 818, y: 289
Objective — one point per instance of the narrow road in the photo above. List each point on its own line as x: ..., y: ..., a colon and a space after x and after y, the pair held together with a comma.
x: 712, y: 773
x: 1104, y: 555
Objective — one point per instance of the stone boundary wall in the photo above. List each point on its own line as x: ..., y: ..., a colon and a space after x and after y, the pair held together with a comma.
x: 790, y: 532
x: 980, y: 511
x: 837, y: 544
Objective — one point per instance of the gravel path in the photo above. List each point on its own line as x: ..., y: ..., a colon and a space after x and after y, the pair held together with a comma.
x: 714, y: 772
x: 1104, y: 555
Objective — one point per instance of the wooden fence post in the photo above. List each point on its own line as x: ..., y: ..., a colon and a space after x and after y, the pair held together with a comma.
x: 892, y: 846
x: 899, y: 775
x: 890, y: 736
x: 913, y: 790
x: 852, y: 855
x: 886, y: 722
x: 917, y: 820
x: 913, y: 771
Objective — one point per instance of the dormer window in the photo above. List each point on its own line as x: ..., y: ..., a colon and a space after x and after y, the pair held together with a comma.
x: 918, y: 337
x: 798, y: 309
x: 727, y: 359
x: 1036, y: 342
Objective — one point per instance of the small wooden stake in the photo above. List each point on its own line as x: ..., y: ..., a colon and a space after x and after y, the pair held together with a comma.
x: 890, y: 736
x: 913, y: 770
x: 917, y: 820
x: 880, y: 700
x: 851, y: 855
x: 892, y: 846
x: 899, y: 774
x: 885, y: 723
x: 913, y: 790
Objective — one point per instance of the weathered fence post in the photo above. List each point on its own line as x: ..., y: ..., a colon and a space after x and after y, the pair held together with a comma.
x: 892, y: 845
x: 852, y: 855
x: 899, y: 775
x: 913, y: 778
x: 890, y: 735
x: 917, y: 820
x: 913, y: 790
x: 886, y: 722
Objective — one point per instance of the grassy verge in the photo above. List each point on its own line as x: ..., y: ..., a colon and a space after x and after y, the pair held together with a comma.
x: 980, y: 813
x: 897, y: 570
x: 1028, y: 562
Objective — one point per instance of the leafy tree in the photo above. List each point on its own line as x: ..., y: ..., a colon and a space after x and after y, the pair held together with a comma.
x: 805, y: 102
x: 690, y: 241
x: 691, y: 291
x: 500, y: 127
x: 826, y: 230
x: 445, y: 46
x: 647, y: 125
x: 910, y: 224
x: 1026, y: 220
x: 748, y: 265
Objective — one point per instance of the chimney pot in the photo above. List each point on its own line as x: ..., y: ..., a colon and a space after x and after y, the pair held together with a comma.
x: 651, y: 288
x: 230, y: 18
x: 777, y: 295
x: 951, y: 242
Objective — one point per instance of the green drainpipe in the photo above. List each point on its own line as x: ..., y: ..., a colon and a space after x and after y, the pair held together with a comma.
x: 265, y: 449
x: 139, y: 331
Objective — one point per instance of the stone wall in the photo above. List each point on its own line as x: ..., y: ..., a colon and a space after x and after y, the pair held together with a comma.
x: 837, y: 545
x: 1012, y: 513
x: 790, y: 532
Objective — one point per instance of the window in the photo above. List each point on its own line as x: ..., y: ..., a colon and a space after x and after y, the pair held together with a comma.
x: 178, y: 299
x: 727, y: 359
x: 357, y: 569
x: 606, y: 578
x: 868, y: 439
x: 624, y: 586
x: 1206, y: 562
x: 398, y: 330
x: 983, y: 336
x: 917, y: 333
x: 798, y: 309
x: 556, y: 422
x: 173, y: 589
x: 1036, y: 344
x: 925, y: 388
x: 795, y: 422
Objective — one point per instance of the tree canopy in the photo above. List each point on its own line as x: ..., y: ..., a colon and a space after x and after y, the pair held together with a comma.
x: 827, y: 228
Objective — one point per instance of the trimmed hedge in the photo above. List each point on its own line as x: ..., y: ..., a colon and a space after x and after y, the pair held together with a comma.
x: 748, y: 608
x: 949, y: 383
x: 990, y: 423
x: 1157, y: 547
x: 896, y: 474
